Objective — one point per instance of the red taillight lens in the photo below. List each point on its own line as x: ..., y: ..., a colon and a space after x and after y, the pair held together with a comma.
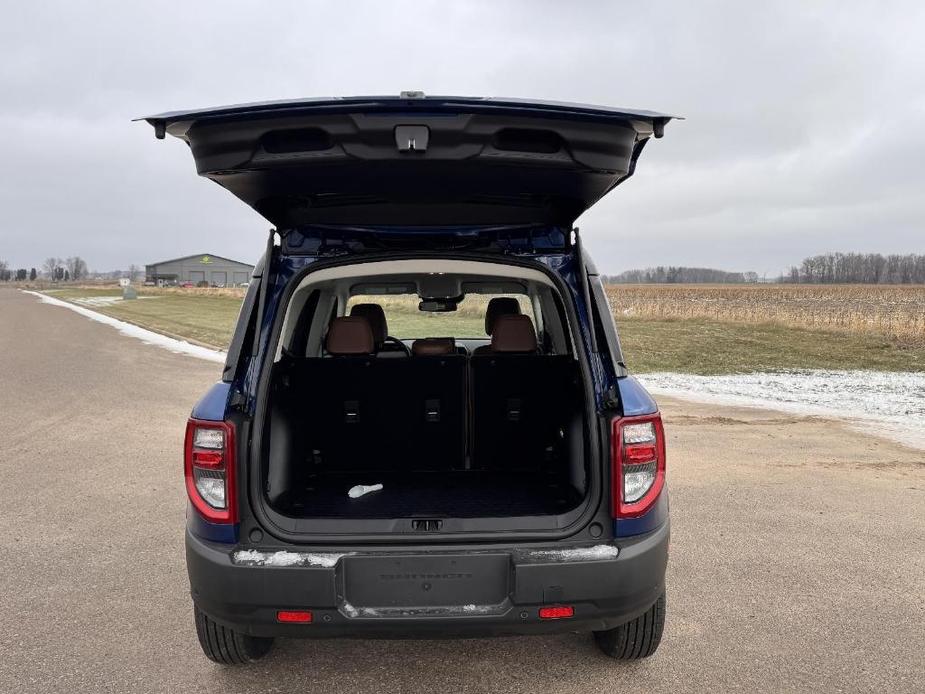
x: 557, y: 612
x: 209, y: 468
x: 637, y: 464
x: 294, y: 616
x: 208, y: 458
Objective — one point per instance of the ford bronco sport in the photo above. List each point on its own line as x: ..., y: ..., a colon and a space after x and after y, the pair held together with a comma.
x: 424, y: 425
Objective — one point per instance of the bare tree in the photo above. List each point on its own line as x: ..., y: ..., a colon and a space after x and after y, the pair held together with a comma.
x: 680, y: 275
x: 133, y: 271
x: 50, y: 267
x: 866, y: 268
x: 76, y: 267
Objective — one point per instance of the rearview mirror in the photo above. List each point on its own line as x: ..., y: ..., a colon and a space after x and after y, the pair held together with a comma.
x: 438, y: 305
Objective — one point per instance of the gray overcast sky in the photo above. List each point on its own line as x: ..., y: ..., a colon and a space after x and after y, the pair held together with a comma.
x: 803, y: 133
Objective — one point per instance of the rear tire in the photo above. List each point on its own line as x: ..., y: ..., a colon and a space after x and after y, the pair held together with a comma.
x: 636, y: 639
x: 226, y: 646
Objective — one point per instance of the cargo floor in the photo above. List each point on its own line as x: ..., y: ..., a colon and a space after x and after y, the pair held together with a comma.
x: 458, y: 494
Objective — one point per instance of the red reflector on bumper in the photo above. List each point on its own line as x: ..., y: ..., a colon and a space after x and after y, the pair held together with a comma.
x: 557, y: 612
x: 294, y: 616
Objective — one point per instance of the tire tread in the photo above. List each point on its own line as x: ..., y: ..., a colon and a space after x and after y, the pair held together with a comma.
x: 227, y: 646
x: 638, y: 638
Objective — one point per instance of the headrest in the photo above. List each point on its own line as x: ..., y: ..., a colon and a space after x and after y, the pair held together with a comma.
x: 500, y: 306
x: 376, y: 317
x: 433, y: 346
x: 349, y: 335
x: 513, y: 334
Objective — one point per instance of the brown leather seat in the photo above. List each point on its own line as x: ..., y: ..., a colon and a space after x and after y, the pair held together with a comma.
x: 513, y: 335
x: 385, y: 346
x: 376, y: 317
x: 500, y: 306
x: 497, y: 307
x: 433, y: 346
x: 349, y: 335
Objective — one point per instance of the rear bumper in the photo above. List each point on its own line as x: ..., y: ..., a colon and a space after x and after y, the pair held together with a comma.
x: 604, y: 592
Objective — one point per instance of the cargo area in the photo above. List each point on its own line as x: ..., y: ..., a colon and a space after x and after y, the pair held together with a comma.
x: 446, y: 436
x: 465, y: 427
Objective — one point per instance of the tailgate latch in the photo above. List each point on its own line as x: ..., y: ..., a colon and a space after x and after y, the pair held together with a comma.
x: 412, y: 138
x: 427, y: 524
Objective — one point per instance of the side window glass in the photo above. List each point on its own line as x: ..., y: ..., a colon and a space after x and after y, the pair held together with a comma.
x: 243, y: 336
x: 608, y: 340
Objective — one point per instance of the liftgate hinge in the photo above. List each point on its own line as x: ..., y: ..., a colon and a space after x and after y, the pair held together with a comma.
x: 611, y: 398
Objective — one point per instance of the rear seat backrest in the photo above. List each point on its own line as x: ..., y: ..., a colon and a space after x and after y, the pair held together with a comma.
x: 520, y: 398
x: 425, y: 401
x: 357, y: 412
x: 520, y: 402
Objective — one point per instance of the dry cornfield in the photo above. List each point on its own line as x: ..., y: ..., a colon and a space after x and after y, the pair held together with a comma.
x: 894, y: 311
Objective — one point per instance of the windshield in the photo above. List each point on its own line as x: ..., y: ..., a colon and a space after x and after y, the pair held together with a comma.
x: 407, y: 322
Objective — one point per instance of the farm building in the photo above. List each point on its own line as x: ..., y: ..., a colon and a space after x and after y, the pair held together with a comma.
x: 213, y: 269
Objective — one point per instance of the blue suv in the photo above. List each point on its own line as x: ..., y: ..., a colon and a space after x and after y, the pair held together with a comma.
x: 424, y: 425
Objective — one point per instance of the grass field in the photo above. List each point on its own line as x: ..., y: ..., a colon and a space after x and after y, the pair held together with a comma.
x: 203, y: 315
x: 712, y: 329
x: 896, y: 312
x: 710, y: 347
x: 683, y: 328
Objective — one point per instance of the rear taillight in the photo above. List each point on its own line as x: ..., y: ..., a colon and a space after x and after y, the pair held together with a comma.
x: 209, y: 467
x: 638, y: 464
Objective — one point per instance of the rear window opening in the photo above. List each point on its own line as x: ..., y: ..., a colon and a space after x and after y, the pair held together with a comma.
x: 459, y: 392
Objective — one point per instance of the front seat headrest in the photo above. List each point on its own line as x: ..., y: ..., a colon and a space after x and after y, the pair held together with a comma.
x: 500, y: 306
x: 433, y: 346
x: 349, y: 335
x: 513, y: 334
x: 376, y: 317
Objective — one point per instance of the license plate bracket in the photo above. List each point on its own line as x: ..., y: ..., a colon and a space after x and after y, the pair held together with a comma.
x: 413, y: 583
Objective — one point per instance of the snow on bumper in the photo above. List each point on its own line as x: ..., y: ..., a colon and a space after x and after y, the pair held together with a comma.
x: 607, y: 584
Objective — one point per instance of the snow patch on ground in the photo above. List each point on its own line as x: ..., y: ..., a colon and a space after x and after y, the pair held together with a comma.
x: 107, y: 300
x: 149, y: 337
x: 596, y: 553
x: 887, y: 404
x: 252, y: 557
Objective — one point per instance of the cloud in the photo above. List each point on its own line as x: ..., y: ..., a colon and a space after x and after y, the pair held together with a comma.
x: 801, y: 133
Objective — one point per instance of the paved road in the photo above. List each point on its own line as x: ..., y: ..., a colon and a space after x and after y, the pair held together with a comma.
x: 798, y: 549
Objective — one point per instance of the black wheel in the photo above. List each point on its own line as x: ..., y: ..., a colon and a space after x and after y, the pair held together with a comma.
x: 227, y: 646
x: 636, y: 639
